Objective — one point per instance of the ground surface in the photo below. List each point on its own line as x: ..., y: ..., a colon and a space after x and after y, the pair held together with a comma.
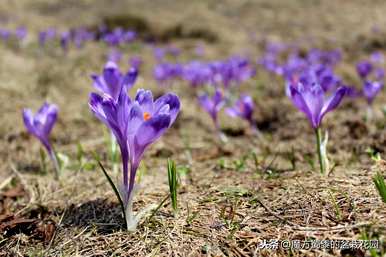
x: 229, y: 201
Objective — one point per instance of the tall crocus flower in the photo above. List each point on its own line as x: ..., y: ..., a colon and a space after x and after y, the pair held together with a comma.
x: 40, y: 126
x: 136, y: 124
x: 112, y: 80
x: 212, y: 105
x: 311, y: 100
x: 243, y: 108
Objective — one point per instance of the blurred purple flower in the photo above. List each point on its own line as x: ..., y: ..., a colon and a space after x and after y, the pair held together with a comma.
x: 65, y: 39
x: 112, y: 81
x: 377, y: 57
x: 371, y: 90
x: 164, y: 72
x: 5, y: 34
x: 46, y: 35
x: 21, y: 33
x: 243, y: 108
x: 212, y: 105
x: 40, y: 126
x: 364, y: 68
x: 197, y: 73
x: 129, y: 36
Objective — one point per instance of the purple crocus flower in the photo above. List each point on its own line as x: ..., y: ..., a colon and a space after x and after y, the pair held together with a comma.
x: 197, y: 73
x: 371, y: 90
x: 243, y: 108
x: 136, y: 125
x: 112, y: 80
x: 46, y: 35
x: 40, y: 126
x: 377, y: 57
x: 5, y: 34
x: 311, y: 100
x: 364, y: 68
x: 21, y: 33
x: 212, y: 105
x: 129, y: 36
x: 164, y: 72
x: 65, y: 39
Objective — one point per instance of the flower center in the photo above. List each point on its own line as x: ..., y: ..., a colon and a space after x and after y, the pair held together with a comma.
x: 146, y: 116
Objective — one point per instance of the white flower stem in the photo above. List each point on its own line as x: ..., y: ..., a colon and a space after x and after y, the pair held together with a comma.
x: 55, y: 162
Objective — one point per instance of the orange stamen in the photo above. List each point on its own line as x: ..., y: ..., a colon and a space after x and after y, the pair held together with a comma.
x: 146, y: 116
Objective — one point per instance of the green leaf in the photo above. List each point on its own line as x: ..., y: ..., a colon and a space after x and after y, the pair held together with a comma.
x: 172, y: 178
x: 79, y: 153
x: 380, y: 185
x: 116, y: 191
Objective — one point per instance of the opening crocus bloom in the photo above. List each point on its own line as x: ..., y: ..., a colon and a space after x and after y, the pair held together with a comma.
x: 41, y: 124
x: 311, y: 100
x: 112, y: 80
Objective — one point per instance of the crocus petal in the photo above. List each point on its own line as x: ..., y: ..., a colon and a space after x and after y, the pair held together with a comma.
x: 111, y: 76
x: 135, y: 119
x: 299, y: 102
x: 95, y: 103
x: 172, y: 101
x: 129, y: 78
x: 149, y: 132
x: 145, y: 100
x: 99, y: 83
x: 28, y: 121
x: 314, y: 98
x: 333, y: 101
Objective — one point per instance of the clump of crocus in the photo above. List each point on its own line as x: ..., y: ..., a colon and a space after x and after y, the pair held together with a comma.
x: 213, y: 105
x: 136, y: 124
x: 312, y: 101
x: 40, y: 126
x: 243, y: 108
